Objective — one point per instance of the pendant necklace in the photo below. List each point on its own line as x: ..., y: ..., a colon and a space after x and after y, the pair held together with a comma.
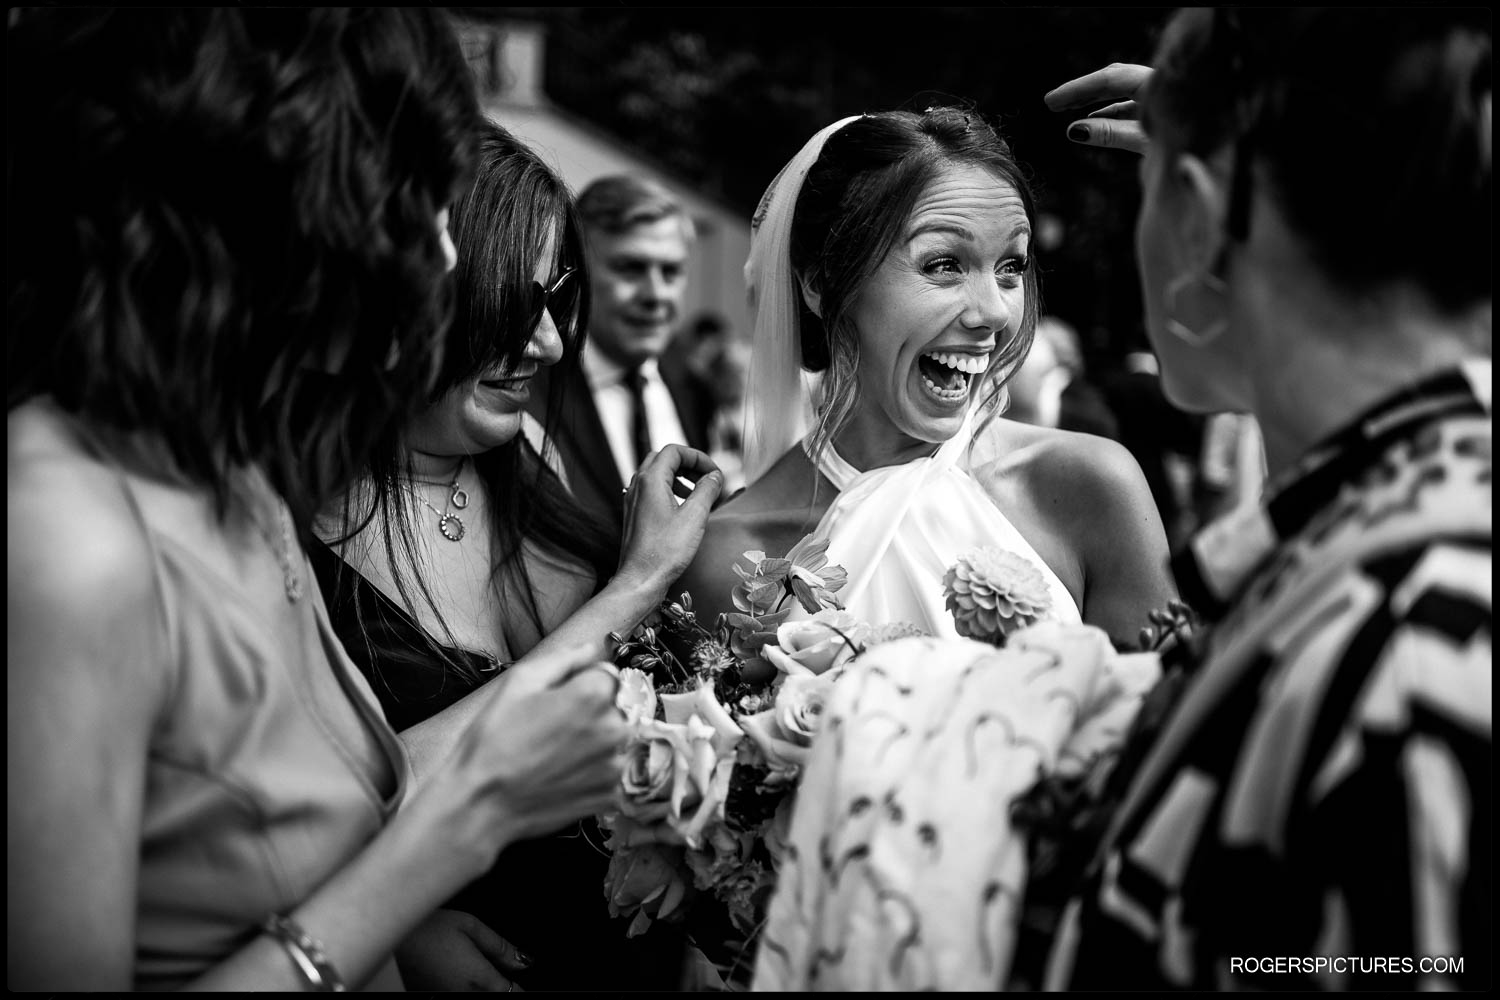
x: 449, y: 523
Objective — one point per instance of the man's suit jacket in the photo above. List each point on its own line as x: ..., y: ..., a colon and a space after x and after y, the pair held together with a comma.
x: 584, y: 449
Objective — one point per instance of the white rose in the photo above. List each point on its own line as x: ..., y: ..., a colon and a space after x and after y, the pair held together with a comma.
x: 703, y: 703
x: 784, y: 732
x: 637, y: 696
x: 815, y: 645
x: 646, y: 780
x: 700, y: 779
x: 799, y: 706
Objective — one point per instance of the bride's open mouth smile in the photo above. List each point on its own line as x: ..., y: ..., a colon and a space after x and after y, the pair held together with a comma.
x: 947, y: 376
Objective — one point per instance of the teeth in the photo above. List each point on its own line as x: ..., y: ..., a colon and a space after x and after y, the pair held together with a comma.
x: 969, y: 364
x: 951, y: 394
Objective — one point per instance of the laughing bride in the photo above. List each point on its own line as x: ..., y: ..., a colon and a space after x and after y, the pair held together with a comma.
x: 895, y: 291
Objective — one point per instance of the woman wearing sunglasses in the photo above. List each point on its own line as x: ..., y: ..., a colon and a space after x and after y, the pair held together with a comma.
x: 460, y: 556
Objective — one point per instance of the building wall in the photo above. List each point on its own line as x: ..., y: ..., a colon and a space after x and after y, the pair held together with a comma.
x: 507, y: 59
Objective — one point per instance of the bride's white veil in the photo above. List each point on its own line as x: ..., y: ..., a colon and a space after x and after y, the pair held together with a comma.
x: 779, y: 394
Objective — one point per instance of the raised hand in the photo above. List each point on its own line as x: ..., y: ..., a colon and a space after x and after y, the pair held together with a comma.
x: 1115, y: 126
x: 546, y: 749
x: 662, y: 534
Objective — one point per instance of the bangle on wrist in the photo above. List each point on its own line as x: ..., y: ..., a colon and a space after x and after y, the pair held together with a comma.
x: 306, y: 953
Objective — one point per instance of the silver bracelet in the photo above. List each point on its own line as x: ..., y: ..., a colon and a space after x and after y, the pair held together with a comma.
x: 306, y: 953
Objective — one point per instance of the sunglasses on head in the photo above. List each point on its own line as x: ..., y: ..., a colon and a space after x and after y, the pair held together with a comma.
x: 543, y: 295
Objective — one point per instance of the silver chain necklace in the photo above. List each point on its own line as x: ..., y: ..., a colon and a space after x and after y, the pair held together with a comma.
x: 449, y: 523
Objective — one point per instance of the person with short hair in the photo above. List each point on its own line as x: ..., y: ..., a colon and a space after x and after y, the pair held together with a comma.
x: 1310, y: 804
x: 627, y: 400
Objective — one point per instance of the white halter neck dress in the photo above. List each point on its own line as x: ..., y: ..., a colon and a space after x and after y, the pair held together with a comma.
x: 904, y: 868
x: 898, y: 529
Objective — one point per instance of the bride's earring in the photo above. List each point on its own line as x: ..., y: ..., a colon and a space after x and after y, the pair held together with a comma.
x: 1197, y: 307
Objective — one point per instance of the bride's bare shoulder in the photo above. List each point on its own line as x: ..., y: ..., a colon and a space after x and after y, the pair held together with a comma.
x: 1079, y: 485
x: 771, y: 515
x: 1052, y: 460
x: 789, y: 482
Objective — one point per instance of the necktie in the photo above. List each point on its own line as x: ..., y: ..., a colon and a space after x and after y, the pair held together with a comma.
x: 640, y: 433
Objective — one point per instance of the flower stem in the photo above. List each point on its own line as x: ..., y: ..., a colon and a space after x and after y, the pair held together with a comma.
x: 847, y: 641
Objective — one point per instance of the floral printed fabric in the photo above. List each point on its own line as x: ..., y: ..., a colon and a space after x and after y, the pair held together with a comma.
x: 903, y: 869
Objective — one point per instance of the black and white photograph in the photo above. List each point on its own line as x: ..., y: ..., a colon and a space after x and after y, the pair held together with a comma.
x: 724, y: 499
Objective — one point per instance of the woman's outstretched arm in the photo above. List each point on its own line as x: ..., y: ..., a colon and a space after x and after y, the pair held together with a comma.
x: 88, y: 677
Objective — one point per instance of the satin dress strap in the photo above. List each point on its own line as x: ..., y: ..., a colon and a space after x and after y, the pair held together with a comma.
x: 898, y: 529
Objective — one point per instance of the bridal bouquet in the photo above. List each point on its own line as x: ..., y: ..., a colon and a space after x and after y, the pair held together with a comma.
x: 948, y: 808
x: 723, y: 718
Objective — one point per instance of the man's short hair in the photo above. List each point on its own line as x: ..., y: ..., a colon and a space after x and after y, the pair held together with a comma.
x: 620, y: 202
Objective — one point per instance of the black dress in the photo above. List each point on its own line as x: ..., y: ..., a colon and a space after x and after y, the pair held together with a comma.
x: 546, y: 895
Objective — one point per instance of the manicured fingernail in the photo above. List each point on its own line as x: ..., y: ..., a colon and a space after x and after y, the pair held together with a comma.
x: 1078, y: 133
x: 523, y: 959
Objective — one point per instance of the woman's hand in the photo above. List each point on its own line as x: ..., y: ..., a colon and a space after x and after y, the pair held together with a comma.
x: 1115, y: 126
x: 661, y: 537
x: 452, y: 952
x: 662, y: 534
x: 543, y: 750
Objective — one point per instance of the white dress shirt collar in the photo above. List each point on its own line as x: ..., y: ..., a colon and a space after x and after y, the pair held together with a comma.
x: 612, y: 402
x: 602, y: 371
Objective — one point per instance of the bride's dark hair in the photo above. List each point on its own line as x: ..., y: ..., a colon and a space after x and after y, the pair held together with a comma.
x: 850, y: 211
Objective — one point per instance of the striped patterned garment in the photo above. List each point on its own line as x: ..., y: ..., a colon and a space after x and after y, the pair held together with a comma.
x: 1322, y: 789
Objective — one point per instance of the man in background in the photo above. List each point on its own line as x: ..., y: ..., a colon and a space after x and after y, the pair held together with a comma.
x: 1166, y: 441
x: 1051, y: 389
x: 625, y: 402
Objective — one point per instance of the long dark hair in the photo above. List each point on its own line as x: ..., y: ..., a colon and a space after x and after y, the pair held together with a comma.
x: 856, y: 198
x: 500, y: 226
x: 202, y: 205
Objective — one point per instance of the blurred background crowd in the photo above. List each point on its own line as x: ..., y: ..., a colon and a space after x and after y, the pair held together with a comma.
x: 708, y: 103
